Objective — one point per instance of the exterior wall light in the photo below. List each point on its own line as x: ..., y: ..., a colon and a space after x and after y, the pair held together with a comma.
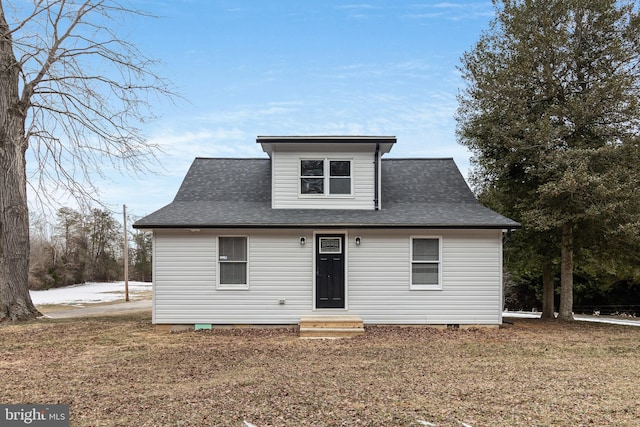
x: 357, y: 241
x: 303, y: 241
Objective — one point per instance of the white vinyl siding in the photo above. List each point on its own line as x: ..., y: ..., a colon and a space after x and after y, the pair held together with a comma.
x: 377, y: 278
x: 185, y: 292
x: 184, y: 276
x: 471, y: 280
x: 287, y: 181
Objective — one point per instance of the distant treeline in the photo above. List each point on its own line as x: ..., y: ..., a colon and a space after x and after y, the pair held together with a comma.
x: 83, y: 247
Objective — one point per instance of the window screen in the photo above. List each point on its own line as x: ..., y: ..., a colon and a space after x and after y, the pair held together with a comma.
x: 425, y: 262
x: 232, y: 260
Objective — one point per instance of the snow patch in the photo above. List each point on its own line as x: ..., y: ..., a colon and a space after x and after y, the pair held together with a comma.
x: 88, y: 293
x: 580, y: 317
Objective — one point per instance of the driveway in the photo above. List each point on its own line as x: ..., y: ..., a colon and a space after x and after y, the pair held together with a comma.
x: 101, y: 309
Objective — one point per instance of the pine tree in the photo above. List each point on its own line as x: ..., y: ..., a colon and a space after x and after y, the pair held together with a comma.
x: 551, y: 113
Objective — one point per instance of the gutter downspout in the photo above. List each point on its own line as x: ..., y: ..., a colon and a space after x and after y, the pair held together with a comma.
x: 376, y: 172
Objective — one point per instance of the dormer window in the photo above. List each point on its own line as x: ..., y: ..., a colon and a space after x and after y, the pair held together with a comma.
x: 325, y: 177
x: 339, y: 177
x: 312, y: 176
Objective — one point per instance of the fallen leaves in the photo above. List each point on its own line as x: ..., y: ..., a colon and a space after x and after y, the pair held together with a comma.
x: 120, y: 371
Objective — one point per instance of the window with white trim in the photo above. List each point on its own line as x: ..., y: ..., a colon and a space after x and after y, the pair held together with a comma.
x: 325, y: 177
x: 232, y: 262
x: 426, y: 263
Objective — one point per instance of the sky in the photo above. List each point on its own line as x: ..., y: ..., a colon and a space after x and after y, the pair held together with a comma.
x: 297, y: 67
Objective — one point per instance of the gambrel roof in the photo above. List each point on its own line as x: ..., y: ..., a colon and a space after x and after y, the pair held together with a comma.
x: 236, y: 193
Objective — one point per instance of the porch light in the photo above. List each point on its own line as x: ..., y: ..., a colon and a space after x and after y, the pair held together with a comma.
x: 303, y: 241
x: 357, y: 241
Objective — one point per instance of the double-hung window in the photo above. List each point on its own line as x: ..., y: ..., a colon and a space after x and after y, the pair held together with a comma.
x: 312, y: 176
x: 325, y: 177
x: 426, y: 263
x: 232, y: 262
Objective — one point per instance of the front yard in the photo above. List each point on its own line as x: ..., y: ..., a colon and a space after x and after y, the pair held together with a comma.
x: 118, y: 371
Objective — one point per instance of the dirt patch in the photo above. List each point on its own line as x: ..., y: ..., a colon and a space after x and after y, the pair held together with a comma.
x: 116, y: 371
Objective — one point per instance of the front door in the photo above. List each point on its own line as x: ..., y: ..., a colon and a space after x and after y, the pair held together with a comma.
x: 330, y: 271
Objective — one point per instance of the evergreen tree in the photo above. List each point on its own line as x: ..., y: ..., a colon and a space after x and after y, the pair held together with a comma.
x: 142, y: 261
x: 551, y: 113
x: 105, y: 241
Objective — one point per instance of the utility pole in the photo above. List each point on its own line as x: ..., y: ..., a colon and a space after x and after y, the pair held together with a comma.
x: 126, y: 255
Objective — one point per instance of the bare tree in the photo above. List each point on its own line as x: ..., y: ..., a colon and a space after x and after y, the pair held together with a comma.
x: 75, y: 94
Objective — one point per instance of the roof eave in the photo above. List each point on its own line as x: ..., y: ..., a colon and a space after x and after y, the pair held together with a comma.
x: 383, y: 143
x: 331, y: 226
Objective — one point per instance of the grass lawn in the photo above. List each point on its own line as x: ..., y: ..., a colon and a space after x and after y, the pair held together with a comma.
x: 118, y: 371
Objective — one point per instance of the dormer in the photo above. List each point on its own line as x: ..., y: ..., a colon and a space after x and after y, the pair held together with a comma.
x: 326, y: 172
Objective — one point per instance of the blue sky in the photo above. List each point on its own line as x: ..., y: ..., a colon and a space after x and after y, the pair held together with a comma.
x: 299, y: 67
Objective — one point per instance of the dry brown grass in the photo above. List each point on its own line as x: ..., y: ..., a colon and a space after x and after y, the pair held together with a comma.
x: 119, y: 371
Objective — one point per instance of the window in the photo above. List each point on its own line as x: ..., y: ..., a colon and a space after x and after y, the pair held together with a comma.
x: 339, y: 177
x: 325, y: 177
x: 426, y: 271
x: 232, y: 262
x: 330, y: 245
x: 312, y: 179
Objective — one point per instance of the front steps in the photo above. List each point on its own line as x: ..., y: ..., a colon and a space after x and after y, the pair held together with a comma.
x: 330, y: 326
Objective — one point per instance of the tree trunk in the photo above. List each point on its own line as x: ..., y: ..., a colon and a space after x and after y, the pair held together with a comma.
x: 566, y: 274
x: 548, y: 291
x: 15, y: 301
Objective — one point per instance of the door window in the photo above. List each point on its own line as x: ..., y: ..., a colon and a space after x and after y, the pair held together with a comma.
x: 330, y: 245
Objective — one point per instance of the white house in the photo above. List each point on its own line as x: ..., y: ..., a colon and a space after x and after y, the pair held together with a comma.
x: 325, y: 226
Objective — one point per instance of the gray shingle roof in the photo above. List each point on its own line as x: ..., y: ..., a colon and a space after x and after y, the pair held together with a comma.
x: 237, y: 193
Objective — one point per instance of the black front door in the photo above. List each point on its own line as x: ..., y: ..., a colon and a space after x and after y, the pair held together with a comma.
x: 330, y: 271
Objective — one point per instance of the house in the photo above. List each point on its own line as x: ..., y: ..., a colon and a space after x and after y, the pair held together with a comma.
x: 325, y: 226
